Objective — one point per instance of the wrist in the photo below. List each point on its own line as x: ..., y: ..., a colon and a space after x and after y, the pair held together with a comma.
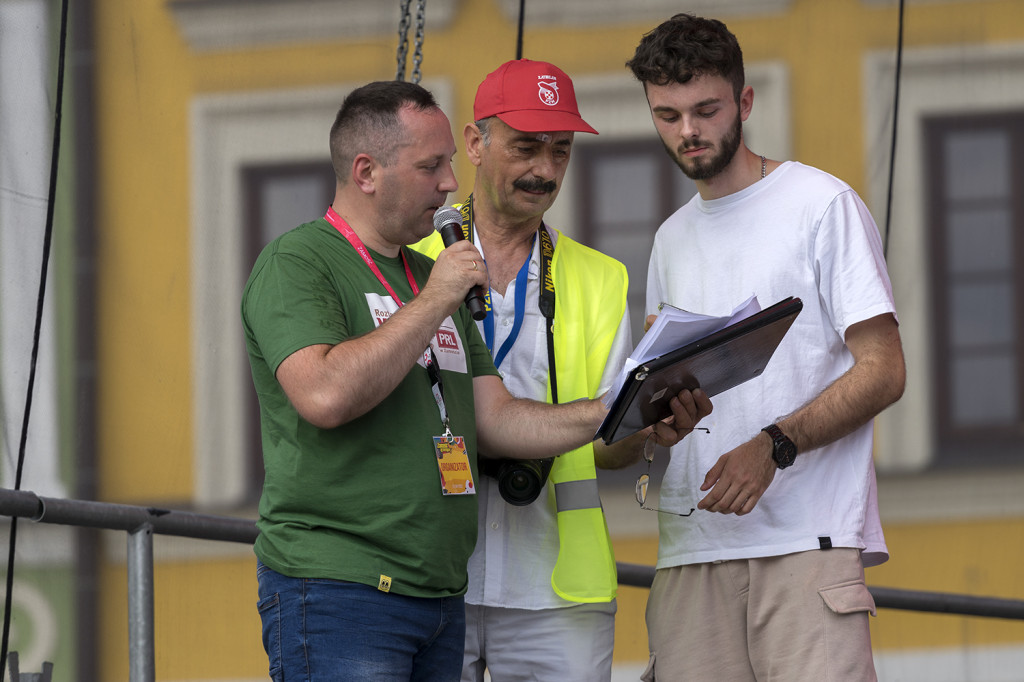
x: 783, y: 449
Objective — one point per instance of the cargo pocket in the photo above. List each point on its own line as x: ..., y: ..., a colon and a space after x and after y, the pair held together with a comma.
x: 648, y: 674
x: 848, y: 597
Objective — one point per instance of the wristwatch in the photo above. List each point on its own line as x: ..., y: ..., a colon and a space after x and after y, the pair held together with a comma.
x: 783, y: 449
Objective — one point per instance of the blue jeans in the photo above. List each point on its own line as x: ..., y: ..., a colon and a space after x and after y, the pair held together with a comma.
x: 320, y: 630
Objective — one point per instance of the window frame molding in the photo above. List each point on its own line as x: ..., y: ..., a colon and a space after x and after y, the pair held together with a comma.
x: 215, y: 25
x: 615, y: 12
x: 988, y: 79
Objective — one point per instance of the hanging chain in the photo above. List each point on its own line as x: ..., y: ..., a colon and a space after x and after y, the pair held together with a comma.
x: 417, y: 57
x: 403, y: 40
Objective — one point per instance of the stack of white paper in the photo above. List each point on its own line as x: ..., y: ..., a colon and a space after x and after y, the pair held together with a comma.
x: 674, y: 328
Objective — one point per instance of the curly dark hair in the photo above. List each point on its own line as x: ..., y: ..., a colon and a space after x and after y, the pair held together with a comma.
x: 686, y: 46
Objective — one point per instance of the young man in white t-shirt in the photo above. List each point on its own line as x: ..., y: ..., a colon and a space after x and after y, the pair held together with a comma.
x: 765, y: 580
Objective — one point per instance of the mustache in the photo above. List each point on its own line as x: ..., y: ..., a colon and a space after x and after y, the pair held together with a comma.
x: 536, y: 185
x: 694, y: 145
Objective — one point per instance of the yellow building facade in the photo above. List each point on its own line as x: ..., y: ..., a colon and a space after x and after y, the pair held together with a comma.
x: 195, y: 98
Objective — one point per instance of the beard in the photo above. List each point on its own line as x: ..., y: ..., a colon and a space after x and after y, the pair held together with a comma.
x: 705, y: 169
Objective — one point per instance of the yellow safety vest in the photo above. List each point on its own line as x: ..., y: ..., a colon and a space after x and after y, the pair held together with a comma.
x: 591, y: 300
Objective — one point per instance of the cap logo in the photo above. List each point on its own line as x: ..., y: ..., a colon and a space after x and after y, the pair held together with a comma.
x: 547, y: 91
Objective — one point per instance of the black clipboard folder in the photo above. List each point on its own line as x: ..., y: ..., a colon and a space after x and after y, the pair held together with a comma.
x: 714, y: 363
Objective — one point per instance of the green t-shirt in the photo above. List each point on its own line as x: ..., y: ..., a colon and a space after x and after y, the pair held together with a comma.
x: 362, y: 500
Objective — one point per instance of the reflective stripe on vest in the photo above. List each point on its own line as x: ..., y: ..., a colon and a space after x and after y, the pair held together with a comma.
x: 577, y: 495
x: 592, y: 298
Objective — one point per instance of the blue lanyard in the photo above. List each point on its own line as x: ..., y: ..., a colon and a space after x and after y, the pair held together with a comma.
x: 520, y: 313
x: 546, y: 302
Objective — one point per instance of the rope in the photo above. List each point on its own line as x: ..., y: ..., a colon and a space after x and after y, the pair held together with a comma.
x: 47, y: 240
x: 895, y: 121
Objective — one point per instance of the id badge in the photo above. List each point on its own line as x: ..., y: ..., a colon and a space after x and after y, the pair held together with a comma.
x: 453, y: 464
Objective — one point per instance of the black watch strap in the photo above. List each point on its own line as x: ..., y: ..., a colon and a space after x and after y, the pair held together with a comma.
x: 783, y: 449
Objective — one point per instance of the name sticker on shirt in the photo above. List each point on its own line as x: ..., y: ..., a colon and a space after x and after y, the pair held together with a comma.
x: 453, y: 464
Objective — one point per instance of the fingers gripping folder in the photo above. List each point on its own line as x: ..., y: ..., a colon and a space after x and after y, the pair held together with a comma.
x: 714, y: 363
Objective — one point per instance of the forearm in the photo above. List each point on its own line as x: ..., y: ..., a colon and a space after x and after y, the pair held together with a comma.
x: 875, y: 381
x: 527, y: 429
x: 367, y: 369
x: 739, y: 478
x: 846, y: 405
x: 688, y: 408
x: 331, y: 385
x: 622, y: 453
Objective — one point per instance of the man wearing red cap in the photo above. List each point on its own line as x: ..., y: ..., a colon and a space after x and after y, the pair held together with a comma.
x: 375, y: 393
x: 542, y: 580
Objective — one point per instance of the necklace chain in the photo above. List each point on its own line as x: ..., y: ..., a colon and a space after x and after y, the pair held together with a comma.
x: 764, y: 167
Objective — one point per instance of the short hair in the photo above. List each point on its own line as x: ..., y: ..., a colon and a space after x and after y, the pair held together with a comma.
x: 368, y: 122
x: 484, y: 126
x: 687, y: 46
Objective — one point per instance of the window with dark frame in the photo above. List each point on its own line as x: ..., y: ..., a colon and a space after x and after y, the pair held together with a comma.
x: 975, y: 210
x: 626, y: 190
x: 276, y: 198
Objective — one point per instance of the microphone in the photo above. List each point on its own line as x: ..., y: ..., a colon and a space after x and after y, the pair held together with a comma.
x: 448, y: 221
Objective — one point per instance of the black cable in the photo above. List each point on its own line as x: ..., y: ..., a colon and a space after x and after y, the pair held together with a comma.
x: 47, y: 240
x: 519, y: 40
x: 895, y: 121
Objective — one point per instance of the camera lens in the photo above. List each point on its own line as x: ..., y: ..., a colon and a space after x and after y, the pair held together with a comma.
x: 519, y: 485
x: 519, y: 481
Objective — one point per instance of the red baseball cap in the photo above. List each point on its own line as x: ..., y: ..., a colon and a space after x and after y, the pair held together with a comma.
x: 533, y: 97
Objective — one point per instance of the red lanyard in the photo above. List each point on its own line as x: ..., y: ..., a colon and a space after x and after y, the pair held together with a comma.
x: 428, y: 354
x: 357, y: 243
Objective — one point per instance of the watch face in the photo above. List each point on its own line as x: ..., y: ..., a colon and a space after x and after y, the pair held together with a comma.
x: 783, y: 449
x: 785, y: 453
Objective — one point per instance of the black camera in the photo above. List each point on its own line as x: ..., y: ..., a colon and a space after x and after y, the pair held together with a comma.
x: 520, y: 481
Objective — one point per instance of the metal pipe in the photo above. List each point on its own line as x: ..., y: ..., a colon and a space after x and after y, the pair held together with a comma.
x: 141, y: 657
x: 638, y: 575
x: 21, y: 503
x: 945, y: 602
x: 187, y: 524
x: 125, y: 517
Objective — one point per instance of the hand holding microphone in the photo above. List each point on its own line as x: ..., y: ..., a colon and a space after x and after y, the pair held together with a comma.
x: 448, y: 221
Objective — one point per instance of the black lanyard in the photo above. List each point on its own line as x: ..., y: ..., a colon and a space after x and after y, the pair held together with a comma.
x: 547, y: 286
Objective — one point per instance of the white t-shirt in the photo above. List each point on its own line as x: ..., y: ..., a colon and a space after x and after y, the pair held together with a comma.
x: 799, y: 232
x: 517, y: 547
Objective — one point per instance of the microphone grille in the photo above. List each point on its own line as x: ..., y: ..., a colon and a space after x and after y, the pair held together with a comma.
x: 445, y: 215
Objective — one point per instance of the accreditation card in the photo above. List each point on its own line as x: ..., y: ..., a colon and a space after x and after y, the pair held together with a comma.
x: 453, y: 464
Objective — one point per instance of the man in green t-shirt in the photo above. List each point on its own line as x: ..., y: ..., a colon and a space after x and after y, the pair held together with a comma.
x: 375, y: 392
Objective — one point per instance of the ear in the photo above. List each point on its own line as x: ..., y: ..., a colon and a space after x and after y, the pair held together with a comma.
x: 474, y: 143
x: 364, y: 173
x: 746, y: 102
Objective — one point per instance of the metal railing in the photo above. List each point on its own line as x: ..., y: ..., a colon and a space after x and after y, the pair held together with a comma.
x: 141, y: 523
x: 638, y: 575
